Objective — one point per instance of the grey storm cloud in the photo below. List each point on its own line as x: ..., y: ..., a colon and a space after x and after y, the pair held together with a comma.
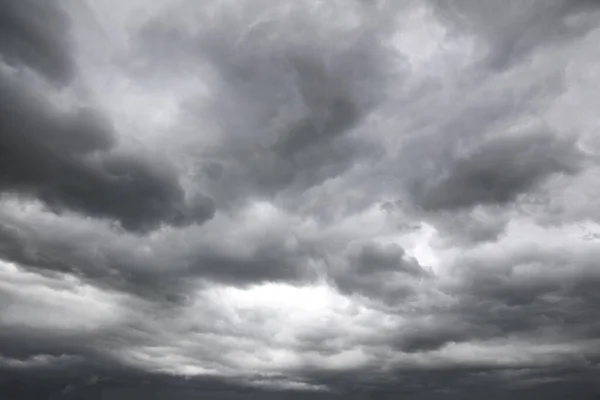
x: 496, y: 171
x: 516, y: 29
x: 376, y: 271
x: 64, y: 159
x: 35, y: 34
x: 299, y: 199
x: 296, y: 98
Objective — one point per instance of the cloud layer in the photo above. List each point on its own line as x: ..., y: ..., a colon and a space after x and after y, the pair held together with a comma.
x: 299, y: 199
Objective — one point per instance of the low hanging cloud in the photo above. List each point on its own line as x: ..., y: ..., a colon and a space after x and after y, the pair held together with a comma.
x: 298, y: 199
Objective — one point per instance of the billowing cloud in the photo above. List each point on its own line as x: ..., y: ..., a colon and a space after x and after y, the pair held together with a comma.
x: 496, y: 172
x: 299, y: 199
x: 69, y: 161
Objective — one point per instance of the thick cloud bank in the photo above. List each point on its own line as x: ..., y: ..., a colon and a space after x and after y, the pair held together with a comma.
x: 262, y: 199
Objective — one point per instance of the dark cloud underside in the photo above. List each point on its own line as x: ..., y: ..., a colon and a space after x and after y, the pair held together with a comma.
x: 64, y: 159
x: 263, y: 199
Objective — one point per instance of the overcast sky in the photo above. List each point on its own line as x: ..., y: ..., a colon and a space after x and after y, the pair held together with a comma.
x: 269, y: 199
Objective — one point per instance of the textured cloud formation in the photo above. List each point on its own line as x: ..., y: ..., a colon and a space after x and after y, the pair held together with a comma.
x: 299, y: 199
x: 63, y: 159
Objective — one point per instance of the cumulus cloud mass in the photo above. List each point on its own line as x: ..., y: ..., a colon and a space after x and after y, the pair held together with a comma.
x: 299, y: 199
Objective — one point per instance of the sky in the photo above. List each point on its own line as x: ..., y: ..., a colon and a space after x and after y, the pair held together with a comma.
x: 299, y: 199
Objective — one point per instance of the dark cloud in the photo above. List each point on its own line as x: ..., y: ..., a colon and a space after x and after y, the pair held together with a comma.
x: 496, y: 171
x: 98, y: 381
x: 514, y: 30
x: 162, y: 270
x: 383, y: 272
x: 373, y: 258
x: 465, y: 383
x: 269, y: 261
x: 404, y: 197
x: 518, y: 294
x: 465, y: 171
x: 283, y: 106
x: 441, y: 384
x: 63, y: 160
x: 36, y: 34
x: 529, y: 295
